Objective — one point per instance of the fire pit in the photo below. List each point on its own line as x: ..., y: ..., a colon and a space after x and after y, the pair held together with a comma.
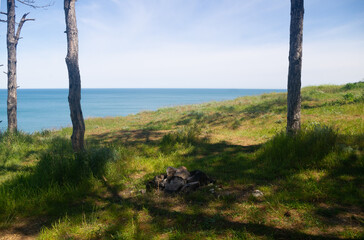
x: 179, y: 180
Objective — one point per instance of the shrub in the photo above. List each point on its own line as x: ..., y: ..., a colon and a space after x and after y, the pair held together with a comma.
x: 349, y: 97
x: 61, y: 165
x: 187, y: 135
x: 356, y: 85
x: 306, y: 149
x: 15, y: 148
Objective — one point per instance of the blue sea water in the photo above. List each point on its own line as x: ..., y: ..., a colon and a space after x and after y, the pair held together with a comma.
x: 40, y: 109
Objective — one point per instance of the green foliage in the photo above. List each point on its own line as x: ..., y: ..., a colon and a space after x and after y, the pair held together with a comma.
x: 349, y: 97
x: 306, y: 149
x: 236, y: 124
x: 14, y: 147
x: 350, y: 86
x: 308, y: 179
x: 186, y: 136
x: 61, y: 165
x: 59, y: 177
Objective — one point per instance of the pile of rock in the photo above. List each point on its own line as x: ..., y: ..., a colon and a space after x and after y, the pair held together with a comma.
x: 179, y: 180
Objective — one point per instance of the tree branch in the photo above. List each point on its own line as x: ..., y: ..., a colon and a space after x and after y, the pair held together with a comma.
x: 31, y: 3
x: 3, y: 21
x: 21, y: 23
x: 3, y: 13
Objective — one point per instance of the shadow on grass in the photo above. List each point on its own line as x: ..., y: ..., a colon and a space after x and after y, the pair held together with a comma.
x: 63, y: 184
x: 275, y: 105
x: 126, y: 137
x: 55, y: 187
x: 188, y: 225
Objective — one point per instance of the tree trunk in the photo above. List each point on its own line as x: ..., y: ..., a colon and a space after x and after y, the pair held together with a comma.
x: 74, y: 96
x: 12, y: 84
x: 295, y: 67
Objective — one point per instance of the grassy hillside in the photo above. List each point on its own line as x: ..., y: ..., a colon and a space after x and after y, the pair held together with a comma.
x: 312, y: 183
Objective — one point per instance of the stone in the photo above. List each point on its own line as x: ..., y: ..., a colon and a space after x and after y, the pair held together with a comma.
x: 174, y: 185
x: 179, y: 180
x: 158, y: 182
x: 199, y: 176
x: 182, y: 173
x: 189, y: 187
x: 257, y: 193
x: 171, y: 171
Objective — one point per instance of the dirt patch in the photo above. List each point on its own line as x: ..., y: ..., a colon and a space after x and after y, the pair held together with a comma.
x: 25, y: 229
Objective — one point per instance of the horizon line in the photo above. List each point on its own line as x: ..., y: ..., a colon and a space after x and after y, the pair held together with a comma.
x: 153, y: 88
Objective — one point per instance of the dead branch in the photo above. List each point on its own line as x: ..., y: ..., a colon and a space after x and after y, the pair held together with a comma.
x: 21, y: 23
x: 31, y: 3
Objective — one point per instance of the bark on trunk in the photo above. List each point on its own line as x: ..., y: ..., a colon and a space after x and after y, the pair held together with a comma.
x: 12, y: 83
x: 295, y: 67
x: 74, y: 96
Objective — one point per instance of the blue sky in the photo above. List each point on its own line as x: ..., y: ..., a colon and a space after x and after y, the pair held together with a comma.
x: 190, y: 44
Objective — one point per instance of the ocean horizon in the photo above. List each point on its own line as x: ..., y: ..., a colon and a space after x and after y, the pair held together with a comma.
x: 41, y: 109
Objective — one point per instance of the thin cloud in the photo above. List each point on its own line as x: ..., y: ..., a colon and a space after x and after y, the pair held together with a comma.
x: 191, y: 43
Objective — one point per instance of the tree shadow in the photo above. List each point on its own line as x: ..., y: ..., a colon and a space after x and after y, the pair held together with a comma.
x: 126, y: 137
x: 190, y: 223
x: 54, y: 188
x: 59, y: 167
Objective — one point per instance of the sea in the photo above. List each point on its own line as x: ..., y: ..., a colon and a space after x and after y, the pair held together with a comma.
x: 41, y: 109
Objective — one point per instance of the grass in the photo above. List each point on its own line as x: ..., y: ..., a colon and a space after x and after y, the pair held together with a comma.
x: 312, y: 182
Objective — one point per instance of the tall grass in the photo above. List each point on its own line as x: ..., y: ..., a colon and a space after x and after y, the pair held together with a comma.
x: 309, y: 148
x: 59, y: 178
x: 185, y: 136
x: 239, y: 143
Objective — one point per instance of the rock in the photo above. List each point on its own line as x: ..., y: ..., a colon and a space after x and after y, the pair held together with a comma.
x: 174, y: 185
x: 257, y: 193
x: 171, y: 171
x: 189, y: 187
x: 179, y: 180
x: 158, y: 182
x: 198, y: 176
x: 182, y: 173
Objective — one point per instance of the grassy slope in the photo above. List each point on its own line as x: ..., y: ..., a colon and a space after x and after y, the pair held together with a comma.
x: 312, y: 184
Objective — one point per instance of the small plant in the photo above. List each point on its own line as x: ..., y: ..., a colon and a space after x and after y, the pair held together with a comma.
x: 236, y: 124
x: 188, y: 135
x: 306, y: 149
x: 349, y: 97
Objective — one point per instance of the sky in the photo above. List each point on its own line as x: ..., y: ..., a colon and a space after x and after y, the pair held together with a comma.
x: 189, y: 44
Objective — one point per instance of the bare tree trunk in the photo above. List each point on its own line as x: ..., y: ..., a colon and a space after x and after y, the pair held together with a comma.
x: 12, y: 43
x: 295, y: 67
x: 74, y: 96
x: 12, y: 84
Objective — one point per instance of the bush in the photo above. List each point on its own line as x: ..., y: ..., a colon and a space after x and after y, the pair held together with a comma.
x: 15, y: 148
x: 61, y: 165
x: 306, y: 149
x: 188, y: 135
x: 349, y: 97
x: 356, y: 85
